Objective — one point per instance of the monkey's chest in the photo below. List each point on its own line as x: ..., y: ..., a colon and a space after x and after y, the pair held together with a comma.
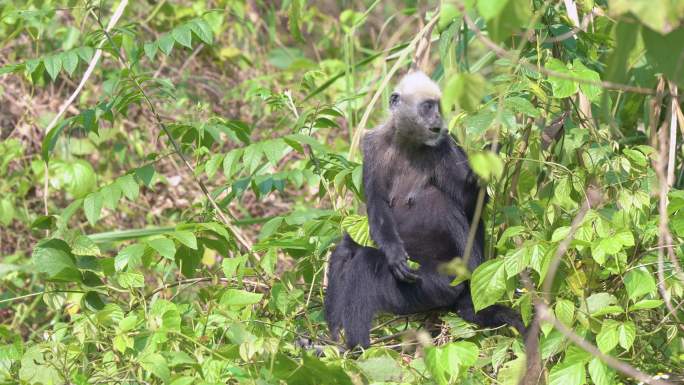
x: 420, y: 215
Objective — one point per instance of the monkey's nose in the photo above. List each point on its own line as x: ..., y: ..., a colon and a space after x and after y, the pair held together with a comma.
x: 436, y: 129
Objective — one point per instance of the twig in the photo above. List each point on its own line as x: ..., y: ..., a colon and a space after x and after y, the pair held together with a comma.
x: 593, y: 198
x: 501, y: 52
x: 545, y: 314
x: 660, y: 142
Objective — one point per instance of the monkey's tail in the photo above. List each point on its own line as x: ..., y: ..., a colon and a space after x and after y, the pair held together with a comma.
x: 334, y: 297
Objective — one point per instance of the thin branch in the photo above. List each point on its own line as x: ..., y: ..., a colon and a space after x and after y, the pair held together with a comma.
x: 593, y: 198
x: 546, y: 314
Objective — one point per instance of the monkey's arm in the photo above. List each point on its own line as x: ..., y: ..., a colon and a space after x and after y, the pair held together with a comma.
x: 383, y: 229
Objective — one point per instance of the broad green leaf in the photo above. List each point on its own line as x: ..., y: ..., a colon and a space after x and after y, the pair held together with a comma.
x: 488, y: 283
x: 565, y: 311
x: 561, y: 87
x: 239, y: 298
x: 647, y: 304
x: 164, y: 246
x: 183, y: 35
x: 487, y: 165
x: 607, y: 338
x: 567, y: 374
x: 515, y: 14
x: 166, y: 43
x: 596, y: 302
x: 600, y: 373
x: 53, y: 64
x: 592, y: 91
x: 130, y: 255
x: 69, y: 61
x: 187, y: 238
x: 489, y: 9
x: 464, y: 90
x: 357, y: 228
x: 53, y: 257
x: 156, y: 364
x: 128, y: 186
x: 202, y: 30
x: 639, y: 282
x: 128, y: 280
x: 230, y: 163
x: 381, y: 369
x: 92, y: 206
x: 626, y: 334
x: 150, y: 49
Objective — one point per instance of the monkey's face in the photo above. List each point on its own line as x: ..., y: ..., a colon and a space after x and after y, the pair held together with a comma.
x: 418, y: 119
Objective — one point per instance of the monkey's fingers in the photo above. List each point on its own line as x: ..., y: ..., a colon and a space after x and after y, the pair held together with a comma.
x: 402, y: 272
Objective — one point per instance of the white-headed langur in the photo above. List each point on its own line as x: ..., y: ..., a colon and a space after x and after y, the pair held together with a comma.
x: 421, y: 195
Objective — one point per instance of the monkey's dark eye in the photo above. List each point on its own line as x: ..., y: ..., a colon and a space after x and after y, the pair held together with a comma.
x: 394, y: 99
x: 428, y: 106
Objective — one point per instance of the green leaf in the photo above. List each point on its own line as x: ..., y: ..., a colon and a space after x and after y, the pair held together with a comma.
x: 145, y: 173
x: 489, y: 9
x: 53, y: 64
x: 600, y: 373
x: 486, y: 164
x: 357, y: 228
x: 230, y: 266
x: 85, y: 53
x: 596, y: 302
x: 515, y: 14
x: 128, y: 186
x: 488, y: 283
x: 239, y: 298
x: 567, y: 374
x: 647, y: 304
x: 150, y: 49
x: 183, y: 35
x: 464, y: 90
x: 128, y: 280
x: 592, y: 91
x: 53, y: 257
x: 607, y: 339
x: 381, y: 369
x: 92, y: 206
x: 565, y: 311
x: 202, y: 30
x: 230, y: 163
x: 626, y: 334
x: 164, y: 246
x: 166, y: 43
x: 130, y: 255
x: 639, y: 282
x: 659, y: 50
x: 156, y: 364
x: 187, y: 238
x: 70, y: 61
x: 562, y: 88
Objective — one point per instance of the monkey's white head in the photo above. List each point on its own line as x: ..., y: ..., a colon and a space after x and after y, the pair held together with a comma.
x: 416, y: 110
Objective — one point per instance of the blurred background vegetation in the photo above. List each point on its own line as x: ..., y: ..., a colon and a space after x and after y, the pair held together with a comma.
x: 173, y: 175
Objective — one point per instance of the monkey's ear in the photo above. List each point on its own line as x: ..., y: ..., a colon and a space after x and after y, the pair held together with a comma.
x: 394, y: 100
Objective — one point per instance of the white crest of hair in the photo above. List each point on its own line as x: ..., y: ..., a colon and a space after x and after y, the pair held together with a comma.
x: 418, y: 84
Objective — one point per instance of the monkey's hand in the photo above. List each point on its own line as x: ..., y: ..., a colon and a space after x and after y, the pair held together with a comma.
x: 398, y: 265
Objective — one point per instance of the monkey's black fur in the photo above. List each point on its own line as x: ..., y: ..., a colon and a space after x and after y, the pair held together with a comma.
x: 420, y: 194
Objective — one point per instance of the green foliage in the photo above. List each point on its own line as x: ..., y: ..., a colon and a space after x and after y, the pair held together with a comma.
x: 117, y: 265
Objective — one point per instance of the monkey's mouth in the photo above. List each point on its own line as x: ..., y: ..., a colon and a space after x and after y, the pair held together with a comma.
x: 436, y: 130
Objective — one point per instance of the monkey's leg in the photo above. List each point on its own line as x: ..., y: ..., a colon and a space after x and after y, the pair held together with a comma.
x: 492, y: 316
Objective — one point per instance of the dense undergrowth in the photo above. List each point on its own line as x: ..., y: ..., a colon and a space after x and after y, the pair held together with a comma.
x: 172, y: 223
